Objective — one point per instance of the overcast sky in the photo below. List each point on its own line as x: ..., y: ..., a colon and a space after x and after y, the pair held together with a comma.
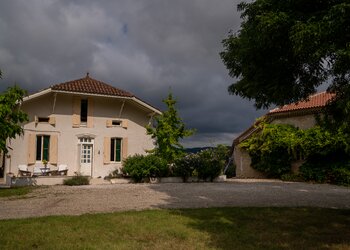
x: 142, y: 46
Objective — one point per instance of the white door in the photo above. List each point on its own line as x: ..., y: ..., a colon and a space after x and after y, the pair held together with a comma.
x: 86, y: 152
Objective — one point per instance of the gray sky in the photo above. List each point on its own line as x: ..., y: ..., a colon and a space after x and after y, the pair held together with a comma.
x: 142, y: 46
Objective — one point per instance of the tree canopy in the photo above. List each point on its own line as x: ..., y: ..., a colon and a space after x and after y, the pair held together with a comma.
x: 11, y: 116
x: 168, y: 130
x: 284, y: 50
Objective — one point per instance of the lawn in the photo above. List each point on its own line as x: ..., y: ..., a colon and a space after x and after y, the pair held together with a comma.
x: 15, y: 191
x: 207, y: 228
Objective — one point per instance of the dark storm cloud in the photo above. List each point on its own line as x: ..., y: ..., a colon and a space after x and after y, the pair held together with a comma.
x: 145, y: 47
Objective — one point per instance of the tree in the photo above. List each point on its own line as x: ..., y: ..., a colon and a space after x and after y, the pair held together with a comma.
x: 11, y: 116
x: 168, y: 130
x: 284, y: 50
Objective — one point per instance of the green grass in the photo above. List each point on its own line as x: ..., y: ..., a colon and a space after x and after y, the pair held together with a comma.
x: 15, y: 191
x: 211, y: 228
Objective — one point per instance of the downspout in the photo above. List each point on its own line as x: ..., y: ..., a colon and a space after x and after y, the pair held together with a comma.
x: 121, y: 109
x: 54, y: 103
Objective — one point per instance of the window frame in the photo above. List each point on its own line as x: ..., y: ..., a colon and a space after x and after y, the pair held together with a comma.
x: 116, y: 157
x: 43, y: 119
x: 117, y: 123
x: 41, y: 148
x: 84, y: 107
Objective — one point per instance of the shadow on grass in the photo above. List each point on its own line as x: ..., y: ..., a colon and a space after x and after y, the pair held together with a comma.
x: 272, y: 228
x: 262, y: 227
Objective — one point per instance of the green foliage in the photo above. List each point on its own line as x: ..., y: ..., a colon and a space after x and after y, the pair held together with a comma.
x: 185, y: 166
x: 210, y: 164
x: 333, y: 167
x: 274, y: 146
x: 141, y: 166
x: 271, y: 149
x: 11, y: 116
x: 168, y: 131
x: 206, y: 164
x: 285, y: 49
x: 231, y: 171
x: 341, y: 176
x: 291, y: 177
x: 77, y: 180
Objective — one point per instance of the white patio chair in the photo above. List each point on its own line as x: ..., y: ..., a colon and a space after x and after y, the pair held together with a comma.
x: 62, y: 169
x: 23, y: 170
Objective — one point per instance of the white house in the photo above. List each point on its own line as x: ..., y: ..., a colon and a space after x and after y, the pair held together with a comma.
x: 85, y: 124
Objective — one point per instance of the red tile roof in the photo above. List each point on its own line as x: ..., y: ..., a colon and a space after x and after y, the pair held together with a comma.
x: 318, y: 100
x: 90, y: 86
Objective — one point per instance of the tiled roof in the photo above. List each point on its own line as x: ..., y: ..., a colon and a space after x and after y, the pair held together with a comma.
x: 90, y: 86
x: 318, y: 100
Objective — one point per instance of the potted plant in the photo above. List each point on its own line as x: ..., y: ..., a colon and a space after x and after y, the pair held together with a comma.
x: 45, y: 163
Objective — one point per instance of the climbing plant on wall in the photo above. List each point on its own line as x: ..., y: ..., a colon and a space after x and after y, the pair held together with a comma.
x: 273, y: 147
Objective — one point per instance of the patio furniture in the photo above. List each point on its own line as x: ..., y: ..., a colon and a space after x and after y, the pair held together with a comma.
x: 23, y: 170
x: 45, y: 170
x: 62, y: 169
x: 37, y: 171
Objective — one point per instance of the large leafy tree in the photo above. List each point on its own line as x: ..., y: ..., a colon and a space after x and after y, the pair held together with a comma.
x: 285, y: 49
x: 11, y: 116
x: 167, y: 132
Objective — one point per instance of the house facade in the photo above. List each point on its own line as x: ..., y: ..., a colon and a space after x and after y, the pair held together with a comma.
x: 301, y: 115
x: 85, y: 124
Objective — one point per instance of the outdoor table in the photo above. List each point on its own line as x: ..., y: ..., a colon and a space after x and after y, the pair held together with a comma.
x: 45, y: 170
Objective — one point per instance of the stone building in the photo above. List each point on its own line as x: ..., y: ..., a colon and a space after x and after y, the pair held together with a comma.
x: 301, y: 115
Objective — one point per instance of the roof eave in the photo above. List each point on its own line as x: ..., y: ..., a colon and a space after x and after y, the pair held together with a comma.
x: 133, y: 98
x: 157, y: 111
x: 296, y: 112
x: 37, y: 94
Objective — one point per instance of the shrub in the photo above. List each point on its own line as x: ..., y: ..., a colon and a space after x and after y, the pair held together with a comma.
x: 332, y: 168
x: 312, y: 171
x: 291, y: 177
x: 210, y: 165
x: 231, y: 171
x: 140, y: 166
x: 185, y: 166
x: 77, y: 181
x: 207, y: 164
x: 341, y: 176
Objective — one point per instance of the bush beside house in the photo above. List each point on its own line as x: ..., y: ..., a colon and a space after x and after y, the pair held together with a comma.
x: 206, y: 165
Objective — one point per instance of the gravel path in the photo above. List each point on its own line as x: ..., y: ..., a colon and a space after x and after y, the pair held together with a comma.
x: 58, y: 200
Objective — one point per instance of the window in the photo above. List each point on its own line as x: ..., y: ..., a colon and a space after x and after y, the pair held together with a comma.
x: 116, y: 123
x: 116, y: 144
x: 43, y: 119
x: 42, y: 147
x: 83, y: 110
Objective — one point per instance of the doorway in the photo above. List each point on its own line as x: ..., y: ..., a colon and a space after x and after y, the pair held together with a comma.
x: 86, y: 145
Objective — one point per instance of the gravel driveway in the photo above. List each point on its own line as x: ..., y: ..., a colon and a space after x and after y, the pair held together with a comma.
x: 57, y: 200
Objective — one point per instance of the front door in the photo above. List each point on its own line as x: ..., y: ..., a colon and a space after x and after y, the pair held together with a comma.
x: 86, y: 152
